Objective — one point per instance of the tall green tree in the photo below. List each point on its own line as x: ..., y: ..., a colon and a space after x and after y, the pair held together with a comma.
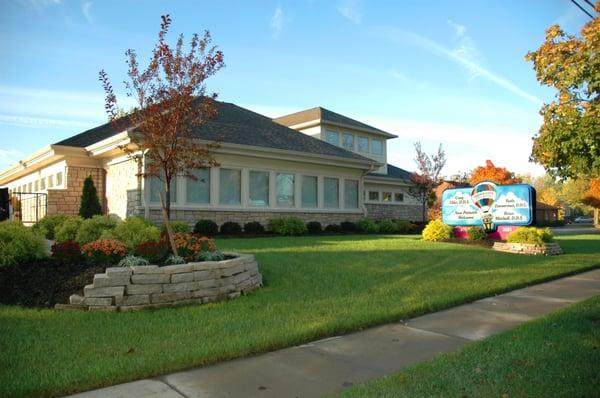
x: 568, y: 142
x: 90, y: 204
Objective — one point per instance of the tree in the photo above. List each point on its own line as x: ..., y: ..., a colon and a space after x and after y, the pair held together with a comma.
x: 489, y: 172
x: 428, y: 176
x: 90, y: 204
x: 592, y: 196
x: 568, y: 142
x: 171, y: 102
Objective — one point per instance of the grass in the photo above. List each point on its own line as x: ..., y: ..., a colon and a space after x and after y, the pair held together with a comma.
x: 555, y: 356
x: 315, y: 287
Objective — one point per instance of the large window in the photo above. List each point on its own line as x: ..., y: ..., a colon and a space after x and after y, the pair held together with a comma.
x: 399, y: 197
x: 198, y: 190
x: 351, y: 194
x: 387, y: 196
x: 377, y: 147
x: 259, y: 188
x: 230, y: 182
x: 374, y: 196
x: 59, y: 178
x: 363, y: 144
x: 348, y: 141
x: 285, y: 190
x: 309, y: 191
x: 43, y: 183
x: 157, y: 189
x: 332, y: 137
x: 332, y: 192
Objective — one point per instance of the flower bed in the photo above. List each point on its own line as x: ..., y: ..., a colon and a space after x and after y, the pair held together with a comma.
x: 142, y: 287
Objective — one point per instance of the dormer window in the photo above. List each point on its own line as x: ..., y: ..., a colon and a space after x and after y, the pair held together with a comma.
x: 348, y: 141
x: 332, y: 137
x: 376, y: 147
x: 363, y: 144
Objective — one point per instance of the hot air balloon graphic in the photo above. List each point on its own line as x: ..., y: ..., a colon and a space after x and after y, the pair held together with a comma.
x: 483, y: 196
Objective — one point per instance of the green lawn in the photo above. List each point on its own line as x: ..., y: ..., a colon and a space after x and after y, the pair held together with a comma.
x: 555, y: 356
x: 314, y: 287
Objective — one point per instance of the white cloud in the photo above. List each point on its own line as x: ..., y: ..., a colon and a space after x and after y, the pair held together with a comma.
x: 459, y: 29
x: 86, y: 8
x: 277, y: 20
x: 27, y: 121
x: 464, y: 54
x: 350, y: 9
x: 40, y: 4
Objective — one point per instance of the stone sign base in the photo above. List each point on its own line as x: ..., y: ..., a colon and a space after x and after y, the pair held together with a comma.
x: 547, y: 249
x: 151, y: 286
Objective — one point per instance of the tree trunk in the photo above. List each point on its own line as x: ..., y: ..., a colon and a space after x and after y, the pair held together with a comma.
x: 167, y: 205
x: 167, y: 221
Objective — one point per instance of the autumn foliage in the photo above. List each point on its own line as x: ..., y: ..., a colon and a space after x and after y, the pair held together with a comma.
x: 489, y: 172
x: 592, y: 196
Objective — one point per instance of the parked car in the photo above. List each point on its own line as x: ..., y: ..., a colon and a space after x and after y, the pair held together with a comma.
x: 583, y: 220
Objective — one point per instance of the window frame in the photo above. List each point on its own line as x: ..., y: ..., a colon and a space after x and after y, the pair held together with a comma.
x: 268, y: 202
x: 220, y: 197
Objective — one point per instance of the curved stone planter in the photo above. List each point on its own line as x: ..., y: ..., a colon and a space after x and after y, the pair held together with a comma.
x: 547, y: 249
x: 151, y: 286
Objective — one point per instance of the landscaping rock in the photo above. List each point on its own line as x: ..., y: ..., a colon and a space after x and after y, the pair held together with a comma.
x: 146, y: 269
x: 150, y: 278
x: 98, y: 301
x: 75, y: 299
x: 143, y: 289
x: 118, y: 271
x: 106, y: 280
x: 181, y: 287
x: 178, y: 268
x: 91, y: 291
x: 183, y: 277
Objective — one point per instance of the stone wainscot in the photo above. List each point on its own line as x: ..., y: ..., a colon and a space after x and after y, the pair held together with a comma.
x: 151, y: 286
x: 547, y: 249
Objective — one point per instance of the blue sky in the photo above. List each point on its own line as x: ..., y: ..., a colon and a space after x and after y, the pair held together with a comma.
x: 449, y: 72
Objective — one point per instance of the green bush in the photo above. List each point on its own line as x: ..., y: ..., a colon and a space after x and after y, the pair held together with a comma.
x: 476, y: 233
x: 531, y: 235
x: 348, y: 226
x: 254, y: 227
x: 231, y: 228
x: 206, y: 228
x: 133, y: 232
x: 287, y: 226
x: 174, y: 260
x: 387, y: 227
x: 334, y: 229
x: 90, y: 204
x: 48, y: 225
x: 178, y: 226
x: 91, y: 229
x: 216, y: 255
x: 68, y: 229
x: 403, y: 226
x: 367, y: 226
x: 132, y: 261
x: 19, y: 244
x: 314, y: 227
x: 436, y: 230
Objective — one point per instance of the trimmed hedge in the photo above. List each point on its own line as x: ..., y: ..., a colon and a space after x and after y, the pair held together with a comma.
x: 314, y: 227
x: 287, y: 226
x: 206, y: 227
x: 254, y: 227
x: 231, y: 228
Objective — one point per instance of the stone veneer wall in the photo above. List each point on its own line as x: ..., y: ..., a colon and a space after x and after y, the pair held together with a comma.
x: 242, y: 217
x: 67, y: 201
x: 547, y: 249
x: 151, y: 286
x: 400, y: 212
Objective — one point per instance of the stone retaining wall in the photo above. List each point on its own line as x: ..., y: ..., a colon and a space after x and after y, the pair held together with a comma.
x: 547, y: 249
x: 151, y: 286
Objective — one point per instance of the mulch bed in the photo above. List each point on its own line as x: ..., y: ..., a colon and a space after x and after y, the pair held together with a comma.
x: 44, y: 283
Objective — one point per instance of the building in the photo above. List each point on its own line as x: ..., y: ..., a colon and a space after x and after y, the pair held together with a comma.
x: 545, y: 214
x: 317, y: 165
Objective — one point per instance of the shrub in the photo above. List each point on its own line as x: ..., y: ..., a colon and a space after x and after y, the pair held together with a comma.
x: 19, y: 244
x: 132, y: 261
x: 206, y: 227
x: 188, y: 245
x: 48, y: 225
x: 90, y: 204
x: 68, y: 252
x: 104, y: 252
x: 254, y: 227
x: 387, y: 227
x: 367, y: 226
x: 154, y: 252
x: 217, y: 255
x: 476, y: 233
x: 403, y: 226
x: 231, y: 228
x: 133, y: 231
x: 436, y: 230
x: 314, y: 227
x: 348, y: 226
x: 531, y: 235
x: 334, y: 228
x: 174, y: 260
x: 92, y: 229
x: 178, y: 226
x: 68, y: 229
x: 287, y: 226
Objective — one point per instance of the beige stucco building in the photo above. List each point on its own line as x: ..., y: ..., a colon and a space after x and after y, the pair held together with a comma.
x: 317, y: 165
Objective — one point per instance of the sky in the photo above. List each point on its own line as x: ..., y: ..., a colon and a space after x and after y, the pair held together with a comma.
x: 439, y: 72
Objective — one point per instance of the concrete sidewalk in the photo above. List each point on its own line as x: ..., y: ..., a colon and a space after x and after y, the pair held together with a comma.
x: 327, y: 366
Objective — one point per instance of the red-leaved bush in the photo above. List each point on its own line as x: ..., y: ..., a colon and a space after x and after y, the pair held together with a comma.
x: 68, y: 252
x: 104, y: 251
x: 154, y: 252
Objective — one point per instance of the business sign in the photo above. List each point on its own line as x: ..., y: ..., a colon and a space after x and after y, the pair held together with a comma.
x: 489, y: 205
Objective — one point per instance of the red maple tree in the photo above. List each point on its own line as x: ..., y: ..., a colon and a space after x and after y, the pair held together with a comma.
x: 489, y: 172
